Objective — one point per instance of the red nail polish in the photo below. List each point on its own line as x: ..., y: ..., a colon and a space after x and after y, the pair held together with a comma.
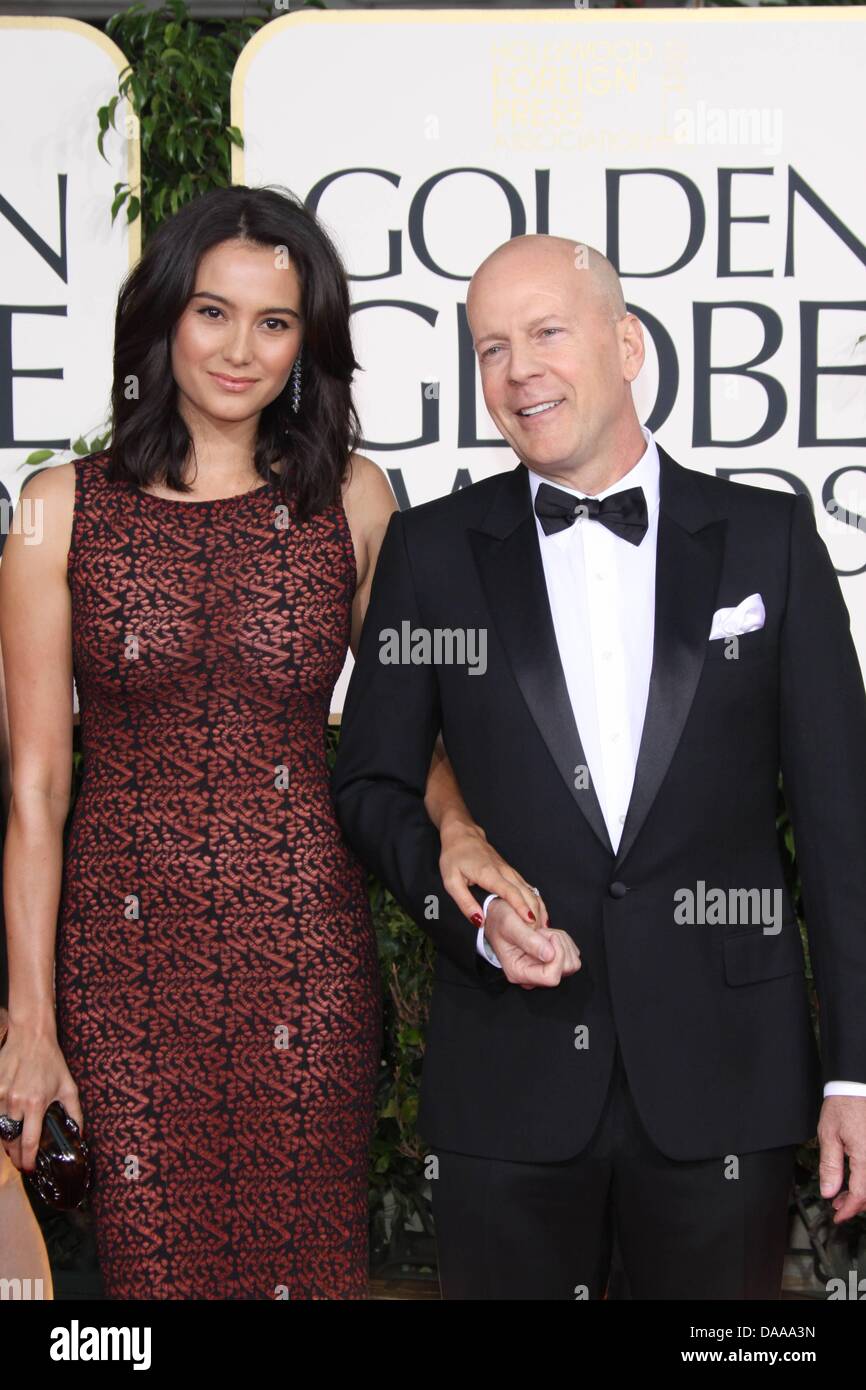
x: 531, y: 915
x: 476, y: 918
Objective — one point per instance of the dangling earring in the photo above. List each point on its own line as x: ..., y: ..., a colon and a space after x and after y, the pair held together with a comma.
x: 296, y: 384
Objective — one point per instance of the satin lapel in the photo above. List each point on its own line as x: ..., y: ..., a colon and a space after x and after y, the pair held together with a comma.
x: 509, y: 563
x: 688, y: 566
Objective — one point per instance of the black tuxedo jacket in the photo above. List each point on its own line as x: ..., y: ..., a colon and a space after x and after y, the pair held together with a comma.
x: 712, y: 1018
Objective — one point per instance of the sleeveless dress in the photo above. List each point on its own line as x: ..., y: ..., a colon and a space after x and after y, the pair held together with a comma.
x: 217, y: 984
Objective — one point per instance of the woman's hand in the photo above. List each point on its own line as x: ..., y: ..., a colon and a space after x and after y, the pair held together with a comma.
x: 468, y: 857
x: 33, y: 1073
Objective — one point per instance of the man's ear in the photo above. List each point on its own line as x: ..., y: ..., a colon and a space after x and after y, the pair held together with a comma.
x: 632, y: 346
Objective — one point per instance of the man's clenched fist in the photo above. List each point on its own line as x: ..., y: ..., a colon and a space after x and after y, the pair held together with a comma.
x: 529, y: 956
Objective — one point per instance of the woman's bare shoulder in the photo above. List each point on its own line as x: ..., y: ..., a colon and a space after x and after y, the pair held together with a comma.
x: 368, y: 501
x: 54, y: 485
x: 366, y: 485
x: 46, y: 505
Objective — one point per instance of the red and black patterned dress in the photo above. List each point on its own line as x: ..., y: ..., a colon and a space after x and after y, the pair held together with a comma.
x: 217, y: 983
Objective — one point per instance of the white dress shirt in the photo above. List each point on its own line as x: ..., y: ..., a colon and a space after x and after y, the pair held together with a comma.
x: 601, y: 591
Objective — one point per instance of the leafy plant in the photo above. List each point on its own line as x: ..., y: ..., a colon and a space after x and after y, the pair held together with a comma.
x: 80, y: 448
x: 406, y: 956
x: 177, y: 81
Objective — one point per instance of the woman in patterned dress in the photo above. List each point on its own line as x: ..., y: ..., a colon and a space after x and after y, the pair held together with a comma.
x: 217, y: 1023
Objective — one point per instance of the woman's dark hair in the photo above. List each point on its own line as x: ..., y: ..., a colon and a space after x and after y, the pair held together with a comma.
x: 150, y: 441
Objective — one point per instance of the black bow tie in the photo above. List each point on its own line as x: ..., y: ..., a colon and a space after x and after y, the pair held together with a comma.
x: 624, y: 512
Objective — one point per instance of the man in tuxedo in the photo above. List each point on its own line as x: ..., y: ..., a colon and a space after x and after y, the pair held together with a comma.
x: 660, y: 643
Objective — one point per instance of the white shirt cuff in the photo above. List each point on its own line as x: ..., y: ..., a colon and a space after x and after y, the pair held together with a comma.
x: 845, y: 1088
x: 482, y: 945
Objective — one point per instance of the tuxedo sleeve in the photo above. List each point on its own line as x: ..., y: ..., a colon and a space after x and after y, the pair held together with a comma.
x: 823, y: 761
x: 390, y: 721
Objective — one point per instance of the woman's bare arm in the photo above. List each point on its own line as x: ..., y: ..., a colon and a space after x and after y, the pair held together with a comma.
x: 35, y: 634
x: 368, y: 502
x: 5, y: 765
x: 443, y: 800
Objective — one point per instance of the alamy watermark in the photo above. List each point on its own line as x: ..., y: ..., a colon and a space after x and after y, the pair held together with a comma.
x: 729, y: 907
x: 438, y: 646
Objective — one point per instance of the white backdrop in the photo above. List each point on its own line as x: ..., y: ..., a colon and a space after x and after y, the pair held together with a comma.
x: 61, y: 260
x: 716, y: 156
x: 425, y: 139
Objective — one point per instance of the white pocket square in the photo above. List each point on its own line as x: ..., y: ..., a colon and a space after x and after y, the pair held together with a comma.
x: 748, y: 616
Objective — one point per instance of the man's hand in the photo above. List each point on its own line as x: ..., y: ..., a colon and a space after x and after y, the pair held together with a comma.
x: 841, y: 1131
x: 529, y: 956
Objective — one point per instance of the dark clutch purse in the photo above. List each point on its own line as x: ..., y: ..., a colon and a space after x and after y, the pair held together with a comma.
x: 64, y: 1170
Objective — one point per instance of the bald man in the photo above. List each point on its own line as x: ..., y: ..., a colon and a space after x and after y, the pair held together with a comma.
x: 658, y: 645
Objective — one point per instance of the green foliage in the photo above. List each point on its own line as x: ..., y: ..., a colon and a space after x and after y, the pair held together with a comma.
x: 406, y: 956
x: 80, y: 448
x: 177, y: 81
